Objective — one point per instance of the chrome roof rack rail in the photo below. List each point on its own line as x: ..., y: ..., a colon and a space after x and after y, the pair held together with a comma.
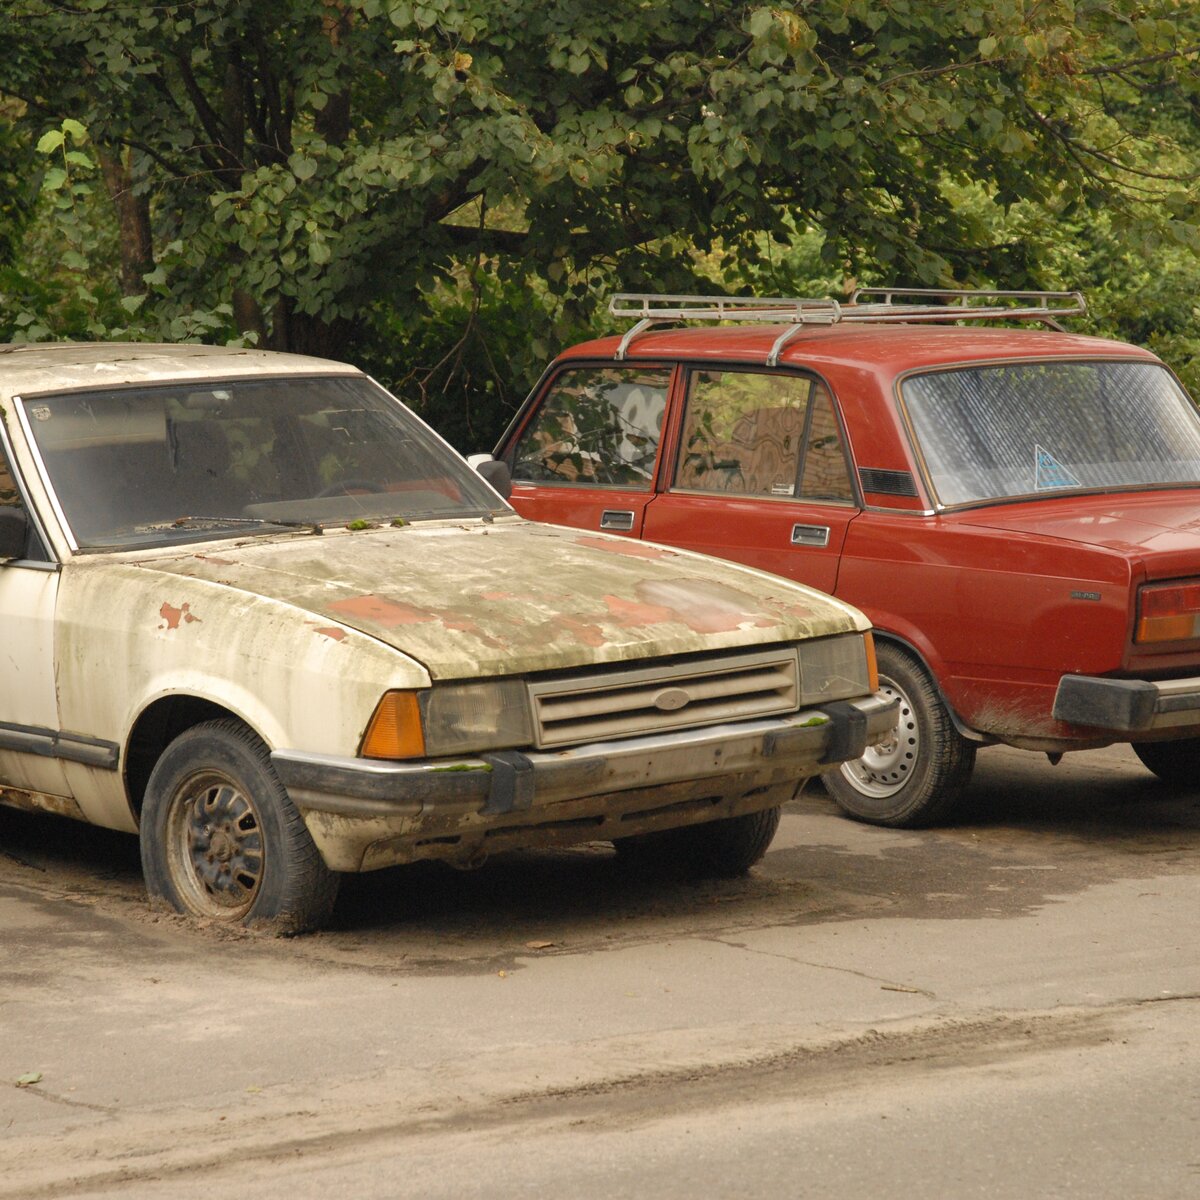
x: 769, y: 310
x: 930, y: 305
x: 869, y: 305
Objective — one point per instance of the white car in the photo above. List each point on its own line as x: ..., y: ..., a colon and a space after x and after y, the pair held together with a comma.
x: 257, y: 612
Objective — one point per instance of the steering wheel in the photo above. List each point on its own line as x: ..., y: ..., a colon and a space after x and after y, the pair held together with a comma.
x: 341, y: 487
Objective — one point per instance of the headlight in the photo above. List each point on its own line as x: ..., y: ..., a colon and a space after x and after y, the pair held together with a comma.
x: 456, y: 718
x: 837, y: 668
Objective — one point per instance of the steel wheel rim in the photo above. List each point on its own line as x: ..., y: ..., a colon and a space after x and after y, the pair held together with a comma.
x: 216, y: 846
x: 885, y: 769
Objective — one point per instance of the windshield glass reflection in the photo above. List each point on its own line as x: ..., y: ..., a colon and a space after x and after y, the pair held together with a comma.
x: 1042, y: 428
x: 168, y: 464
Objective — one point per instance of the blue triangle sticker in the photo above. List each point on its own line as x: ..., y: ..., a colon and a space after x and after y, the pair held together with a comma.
x: 1049, y: 472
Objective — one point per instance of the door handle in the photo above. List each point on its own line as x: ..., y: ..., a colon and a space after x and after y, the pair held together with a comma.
x: 616, y: 519
x: 810, y: 535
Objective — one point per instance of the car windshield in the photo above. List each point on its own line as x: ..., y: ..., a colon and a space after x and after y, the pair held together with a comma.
x: 154, y: 465
x: 1041, y: 428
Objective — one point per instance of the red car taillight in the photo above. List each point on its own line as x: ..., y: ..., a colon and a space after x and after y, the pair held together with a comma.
x: 1169, y: 612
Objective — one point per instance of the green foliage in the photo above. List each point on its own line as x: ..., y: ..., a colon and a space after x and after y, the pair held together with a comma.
x: 18, y: 190
x: 444, y: 189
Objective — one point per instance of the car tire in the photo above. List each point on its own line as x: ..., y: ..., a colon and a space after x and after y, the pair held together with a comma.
x: 222, y: 841
x: 712, y: 850
x: 1176, y: 763
x: 917, y: 778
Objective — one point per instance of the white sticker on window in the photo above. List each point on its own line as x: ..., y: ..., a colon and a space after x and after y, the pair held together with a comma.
x: 1049, y: 472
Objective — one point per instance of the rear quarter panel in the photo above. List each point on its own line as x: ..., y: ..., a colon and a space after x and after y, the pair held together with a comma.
x: 998, y: 616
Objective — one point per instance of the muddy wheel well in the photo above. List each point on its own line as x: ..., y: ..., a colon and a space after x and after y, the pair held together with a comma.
x: 902, y: 643
x: 156, y: 728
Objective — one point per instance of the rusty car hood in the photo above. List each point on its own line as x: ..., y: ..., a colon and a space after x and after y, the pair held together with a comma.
x: 1160, y: 530
x: 471, y: 598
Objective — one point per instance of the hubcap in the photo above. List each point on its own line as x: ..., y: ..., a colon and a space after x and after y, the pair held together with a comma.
x: 216, y: 846
x: 884, y: 769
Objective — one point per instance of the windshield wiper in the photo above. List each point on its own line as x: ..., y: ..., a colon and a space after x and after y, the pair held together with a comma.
x: 198, y: 522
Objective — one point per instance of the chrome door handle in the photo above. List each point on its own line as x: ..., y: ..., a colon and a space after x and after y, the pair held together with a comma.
x: 618, y: 519
x: 810, y: 535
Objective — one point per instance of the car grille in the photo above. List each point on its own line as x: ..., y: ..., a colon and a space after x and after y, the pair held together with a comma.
x: 615, y: 704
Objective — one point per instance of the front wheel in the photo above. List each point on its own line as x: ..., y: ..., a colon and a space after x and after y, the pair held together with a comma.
x: 221, y: 839
x: 916, y: 777
x: 713, y: 850
x: 1176, y: 763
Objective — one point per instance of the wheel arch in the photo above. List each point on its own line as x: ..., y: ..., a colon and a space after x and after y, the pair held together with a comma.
x: 903, y: 643
x: 156, y: 727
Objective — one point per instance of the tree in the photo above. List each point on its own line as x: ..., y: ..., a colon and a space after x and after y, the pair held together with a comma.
x: 308, y: 172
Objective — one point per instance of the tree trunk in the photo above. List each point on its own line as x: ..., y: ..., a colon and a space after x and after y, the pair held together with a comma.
x: 333, y: 121
x: 133, y: 218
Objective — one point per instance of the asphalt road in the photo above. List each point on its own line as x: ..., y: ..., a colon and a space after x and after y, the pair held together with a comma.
x: 1006, y: 1007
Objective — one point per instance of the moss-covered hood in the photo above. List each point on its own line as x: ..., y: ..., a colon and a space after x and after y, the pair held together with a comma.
x: 477, y: 599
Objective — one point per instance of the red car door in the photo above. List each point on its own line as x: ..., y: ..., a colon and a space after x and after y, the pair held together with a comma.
x: 759, y: 475
x: 588, y: 452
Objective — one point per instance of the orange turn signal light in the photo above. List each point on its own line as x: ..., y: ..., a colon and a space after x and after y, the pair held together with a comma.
x: 394, y: 730
x: 1169, y: 613
x: 872, y: 664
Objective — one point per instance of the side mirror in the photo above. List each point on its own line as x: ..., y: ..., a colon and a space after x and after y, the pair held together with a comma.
x: 494, y: 471
x: 14, y: 532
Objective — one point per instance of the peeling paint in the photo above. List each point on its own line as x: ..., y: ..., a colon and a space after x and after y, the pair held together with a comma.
x: 623, y: 546
x: 631, y: 612
x: 582, y: 632
x: 702, y: 605
x: 381, y: 611
x: 333, y: 632
x: 172, y: 616
x: 40, y: 802
x: 527, y: 598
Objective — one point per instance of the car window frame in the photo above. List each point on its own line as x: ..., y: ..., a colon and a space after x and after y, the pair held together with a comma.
x: 918, y: 455
x: 506, y: 448
x: 38, y: 538
x: 690, y: 367
x: 22, y: 402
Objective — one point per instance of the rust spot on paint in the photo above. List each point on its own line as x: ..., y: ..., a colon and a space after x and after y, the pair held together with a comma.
x: 173, y: 617
x: 332, y: 631
x: 631, y: 612
x: 703, y: 606
x: 466, y: 625
x: 621, y: 546
x: 381, y: 611
x: 584, y: 633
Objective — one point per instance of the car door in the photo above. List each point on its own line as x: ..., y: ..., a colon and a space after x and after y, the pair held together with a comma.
x: 28, y: 696
x: 759, y: 475
x: 587, y: 454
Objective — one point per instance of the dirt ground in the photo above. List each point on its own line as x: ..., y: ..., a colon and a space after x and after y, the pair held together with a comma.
x: 551, y: 1021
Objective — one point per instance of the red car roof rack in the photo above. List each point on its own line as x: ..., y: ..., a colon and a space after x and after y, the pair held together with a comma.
x: 871, y: 305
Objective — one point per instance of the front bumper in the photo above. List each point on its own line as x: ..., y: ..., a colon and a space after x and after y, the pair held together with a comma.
x: 1128, y: 705
x: 365, y: 814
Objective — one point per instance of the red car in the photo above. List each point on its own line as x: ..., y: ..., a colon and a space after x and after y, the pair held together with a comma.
x: 1017, y: 509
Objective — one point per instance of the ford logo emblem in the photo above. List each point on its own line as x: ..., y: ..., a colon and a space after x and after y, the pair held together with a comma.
x: 671, y: 699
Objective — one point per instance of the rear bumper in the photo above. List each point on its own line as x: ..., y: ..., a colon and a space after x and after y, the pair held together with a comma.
x: 365, y: 814
x: 1128, y: 705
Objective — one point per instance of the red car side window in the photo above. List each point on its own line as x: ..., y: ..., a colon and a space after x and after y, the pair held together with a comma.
x: 824, y: 475
x: 756, y: 434
x: 598, y: 426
